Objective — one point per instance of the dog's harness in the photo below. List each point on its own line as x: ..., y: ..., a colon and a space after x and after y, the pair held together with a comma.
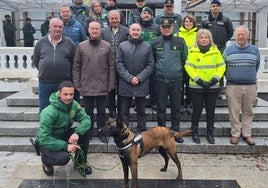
x: 136, y: 140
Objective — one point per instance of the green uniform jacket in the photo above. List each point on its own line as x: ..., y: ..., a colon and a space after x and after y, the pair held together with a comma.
x: 204, y: 65
x: 170, y: 56
x: 56, y: 121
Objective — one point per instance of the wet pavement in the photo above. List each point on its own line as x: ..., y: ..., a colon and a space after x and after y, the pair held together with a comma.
x: 23, y: 170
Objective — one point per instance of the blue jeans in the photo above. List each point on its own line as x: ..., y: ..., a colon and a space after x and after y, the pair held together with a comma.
x: 45, y: 90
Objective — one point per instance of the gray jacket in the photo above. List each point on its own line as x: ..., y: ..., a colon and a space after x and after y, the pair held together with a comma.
x: 115, y: 39
x: 54, y: 64
x: 134, y: 60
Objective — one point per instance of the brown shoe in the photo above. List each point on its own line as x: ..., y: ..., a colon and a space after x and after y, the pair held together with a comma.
x: 249, y: 140
x: 234, y: 140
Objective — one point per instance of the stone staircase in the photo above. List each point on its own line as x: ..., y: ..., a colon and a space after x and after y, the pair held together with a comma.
x: 19, y: 121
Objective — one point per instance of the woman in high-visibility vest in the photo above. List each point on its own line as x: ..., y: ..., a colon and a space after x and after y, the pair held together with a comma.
x: 205, y: 66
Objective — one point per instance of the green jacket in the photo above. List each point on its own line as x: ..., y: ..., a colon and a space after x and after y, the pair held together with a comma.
x: 204, y: 65
x: 56, y: 121
x: 170, y: 56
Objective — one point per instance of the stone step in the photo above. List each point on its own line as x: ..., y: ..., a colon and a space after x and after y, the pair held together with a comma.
x: 27, y: 98
x: 221, y: 114
x: 24, y: 128
x: 221, y: 146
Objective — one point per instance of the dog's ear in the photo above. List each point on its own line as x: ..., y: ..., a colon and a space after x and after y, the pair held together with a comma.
x: 119, y: 122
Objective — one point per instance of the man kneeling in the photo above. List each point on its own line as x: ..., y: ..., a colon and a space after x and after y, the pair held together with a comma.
x: 56, y: 138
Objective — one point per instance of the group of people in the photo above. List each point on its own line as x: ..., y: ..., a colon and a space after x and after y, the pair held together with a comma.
x: 167, y: 59
x: 10, y: 36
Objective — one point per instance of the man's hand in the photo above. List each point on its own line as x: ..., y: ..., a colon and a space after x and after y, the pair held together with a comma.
x: 72, y: 148
x: 73, y: 139
x: 135, y: 81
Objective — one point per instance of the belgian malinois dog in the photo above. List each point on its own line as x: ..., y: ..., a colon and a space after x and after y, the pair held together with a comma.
x: 133, y: 146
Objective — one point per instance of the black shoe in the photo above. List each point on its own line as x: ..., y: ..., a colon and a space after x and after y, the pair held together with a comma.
x: 211, y: 139
x: 196, y: 139
x: 49, y: 170
x: 35, y: 146
x: 139, y: 130
x: 103, y: 139
x: 154, y: 107
x: 179, y: 140
x: 220, y: 96
x: 183, y: 110
x: 88, y: 169
x: 189, y: 110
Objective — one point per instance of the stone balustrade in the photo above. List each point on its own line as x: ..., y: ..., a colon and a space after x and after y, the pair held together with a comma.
x: 16, y: 63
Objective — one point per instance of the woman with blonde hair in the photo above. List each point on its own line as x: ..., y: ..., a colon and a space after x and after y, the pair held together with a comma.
x: 96, y: 14
x: 205, y: 66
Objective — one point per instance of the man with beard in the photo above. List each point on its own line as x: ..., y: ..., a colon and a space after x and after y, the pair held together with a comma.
x: 94, y: 74
x: 134, y: 14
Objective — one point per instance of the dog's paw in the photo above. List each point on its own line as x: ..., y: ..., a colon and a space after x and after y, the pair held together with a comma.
x: 163, y: 169
x: 179, y: 178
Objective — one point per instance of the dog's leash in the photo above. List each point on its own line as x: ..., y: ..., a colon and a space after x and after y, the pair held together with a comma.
x: 80, y: 166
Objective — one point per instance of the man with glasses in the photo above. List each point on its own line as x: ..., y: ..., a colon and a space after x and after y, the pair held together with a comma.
x: 170, y: 15
x: 221, y: 28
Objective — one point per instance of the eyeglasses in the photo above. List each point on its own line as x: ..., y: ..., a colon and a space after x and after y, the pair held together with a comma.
x: 188, y: 21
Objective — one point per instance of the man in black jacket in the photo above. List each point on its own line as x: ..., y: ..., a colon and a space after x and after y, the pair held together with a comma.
x: 221, y: 28
x: 9, y: 31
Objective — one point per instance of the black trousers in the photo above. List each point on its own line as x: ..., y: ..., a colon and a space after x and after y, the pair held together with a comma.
x: 173, y: 91
x: 126, y: 103
x: 200, y: 99
x: 100, y: 102
x: 61, y: 158
x: 185, y: 90
x: 112, y: 104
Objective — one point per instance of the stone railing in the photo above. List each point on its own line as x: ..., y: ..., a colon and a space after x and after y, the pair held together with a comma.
x: 16, y: 63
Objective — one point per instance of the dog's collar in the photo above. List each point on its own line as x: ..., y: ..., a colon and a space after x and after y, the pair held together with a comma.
x: 136, y: 139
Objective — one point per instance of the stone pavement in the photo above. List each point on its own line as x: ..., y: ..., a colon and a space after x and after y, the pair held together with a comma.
x: 250, y: 171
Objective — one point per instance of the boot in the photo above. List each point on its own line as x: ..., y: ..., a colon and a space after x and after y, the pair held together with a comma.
x: 210, y: 136
x: 195, y: 136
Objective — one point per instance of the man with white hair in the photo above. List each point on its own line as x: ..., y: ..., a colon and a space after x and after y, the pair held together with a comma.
x: 242, y: 64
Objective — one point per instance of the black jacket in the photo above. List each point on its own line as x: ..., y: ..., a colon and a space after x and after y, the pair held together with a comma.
x: 221, y: 29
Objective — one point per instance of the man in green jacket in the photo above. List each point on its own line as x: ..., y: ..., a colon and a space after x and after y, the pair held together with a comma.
x: 170, y: 54
x: 56, y: 137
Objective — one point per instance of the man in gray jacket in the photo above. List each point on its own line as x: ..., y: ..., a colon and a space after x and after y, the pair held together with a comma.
x: 134, y: 63
x: 114, y: 34
x: 94, y: 74
x: 53, y: 58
